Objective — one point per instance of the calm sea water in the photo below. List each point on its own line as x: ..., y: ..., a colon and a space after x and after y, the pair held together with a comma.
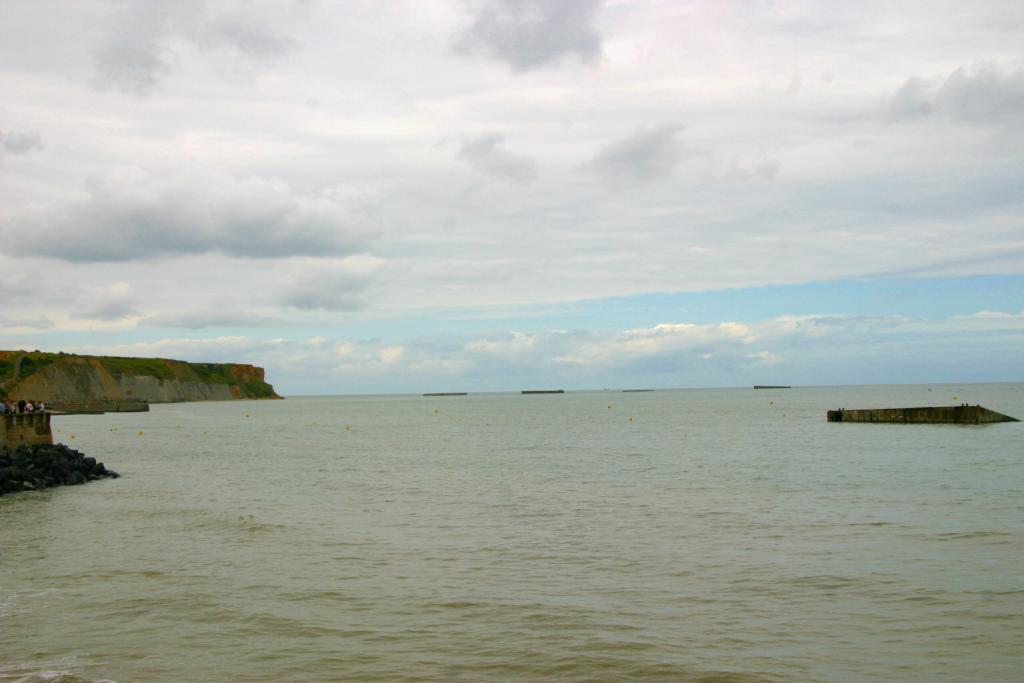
x: 698, y: 535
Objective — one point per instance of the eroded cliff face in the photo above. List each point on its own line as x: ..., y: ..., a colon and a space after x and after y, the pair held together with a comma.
x: 71, y: 379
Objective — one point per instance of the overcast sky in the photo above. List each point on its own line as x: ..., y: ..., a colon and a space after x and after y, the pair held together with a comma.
x: 503, y: 194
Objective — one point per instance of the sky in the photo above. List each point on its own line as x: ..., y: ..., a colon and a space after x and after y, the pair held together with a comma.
x: 492, y: 195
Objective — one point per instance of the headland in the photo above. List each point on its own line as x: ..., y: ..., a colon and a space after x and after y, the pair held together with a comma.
x: 85, y: 384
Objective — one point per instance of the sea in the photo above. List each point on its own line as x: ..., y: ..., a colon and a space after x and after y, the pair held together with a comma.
x: 704, y: 535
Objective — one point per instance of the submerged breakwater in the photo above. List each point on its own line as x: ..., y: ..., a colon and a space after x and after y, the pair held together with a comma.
x: 29, y: 468
x: 962, y: 414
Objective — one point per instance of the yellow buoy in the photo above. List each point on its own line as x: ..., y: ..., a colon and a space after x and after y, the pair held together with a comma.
x: 630, y: 419
x: 72, y: 436
x: 348, y: 428
x: 609, y: 406
x: 141, y: 433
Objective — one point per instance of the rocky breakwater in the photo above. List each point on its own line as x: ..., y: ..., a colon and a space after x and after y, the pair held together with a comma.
x: 28, y: 468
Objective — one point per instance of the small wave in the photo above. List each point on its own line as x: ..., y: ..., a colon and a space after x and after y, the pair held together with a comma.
x: 963, y: 535
x: 35, y: 674
x: 455, y: 605
x: 930, y: 600
x: 244, y: 523
x: 825, y: 581
x: 317, y: 596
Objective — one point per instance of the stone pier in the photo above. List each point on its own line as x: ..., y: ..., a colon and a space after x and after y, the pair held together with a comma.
x: 28, y: 429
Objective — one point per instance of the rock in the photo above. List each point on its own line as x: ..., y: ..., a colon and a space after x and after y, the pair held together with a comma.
x: 28, y: 468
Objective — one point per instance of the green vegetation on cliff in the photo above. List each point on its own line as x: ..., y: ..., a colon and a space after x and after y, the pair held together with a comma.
x: 63, y: 377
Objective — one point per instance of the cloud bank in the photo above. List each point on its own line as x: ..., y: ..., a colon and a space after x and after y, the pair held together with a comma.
x: 793, y: 348
x: 147, y: 215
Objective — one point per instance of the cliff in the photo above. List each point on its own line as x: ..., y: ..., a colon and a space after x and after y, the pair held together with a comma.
x: 61, y: 378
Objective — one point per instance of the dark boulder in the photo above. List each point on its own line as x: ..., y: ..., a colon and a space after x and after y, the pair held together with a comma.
x: 26, y: 468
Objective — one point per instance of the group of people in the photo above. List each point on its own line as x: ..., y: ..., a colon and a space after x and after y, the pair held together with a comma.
x: 12, y: 407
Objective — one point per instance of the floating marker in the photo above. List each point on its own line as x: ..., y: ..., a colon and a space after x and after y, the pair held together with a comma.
x: 141, y: 433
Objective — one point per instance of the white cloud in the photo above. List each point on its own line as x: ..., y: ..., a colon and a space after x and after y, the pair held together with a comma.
x: 225, y: 349
x: 983, y: 94
x: 114, y: 301
x: 530, y: 34
x: 764, y: 359
x: 488, y: 154
x: 13, y: 325
x: 331, y: 285
x: 630, y: 345
x: 648, y: 154
x: 993, y: 315
x: 148, y: 41
x: 20, y: 143
x: 217, y: 317
x: 505, y: 345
